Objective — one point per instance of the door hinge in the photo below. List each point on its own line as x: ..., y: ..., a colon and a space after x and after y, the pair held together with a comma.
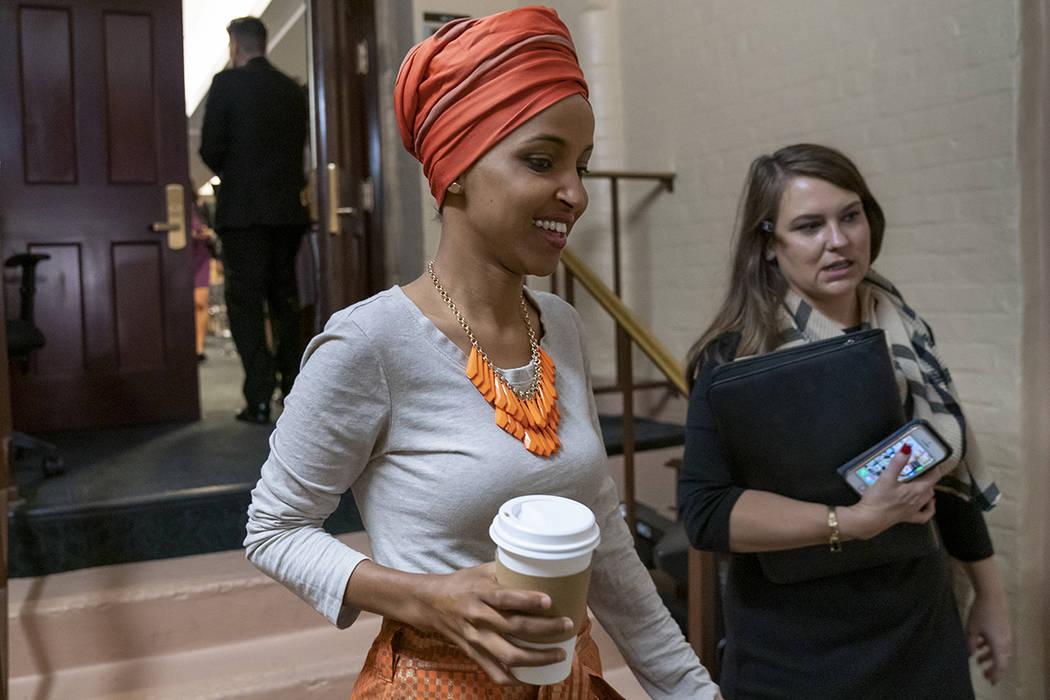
x: 368, y: 195
x: 362, y: 57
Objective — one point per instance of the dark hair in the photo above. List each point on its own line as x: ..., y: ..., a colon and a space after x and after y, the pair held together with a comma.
x: 250, y: 33
x: 756, y: 285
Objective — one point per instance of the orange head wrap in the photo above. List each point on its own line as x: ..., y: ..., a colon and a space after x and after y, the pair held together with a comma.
x: 462, y: 90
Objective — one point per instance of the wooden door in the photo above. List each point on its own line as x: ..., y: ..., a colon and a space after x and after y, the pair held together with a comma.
x: 347, y: 147
x: 92, y: 153
x: 6, y: 482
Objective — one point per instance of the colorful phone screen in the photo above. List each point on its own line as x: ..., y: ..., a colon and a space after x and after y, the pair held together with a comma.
x: 920, y: 461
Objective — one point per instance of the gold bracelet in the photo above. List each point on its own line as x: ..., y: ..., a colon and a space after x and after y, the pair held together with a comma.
x: 834, y: 544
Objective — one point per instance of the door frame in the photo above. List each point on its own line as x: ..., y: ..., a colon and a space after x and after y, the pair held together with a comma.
x: 1032, y: 604
x: 351, y: 261
x: 7, y: 493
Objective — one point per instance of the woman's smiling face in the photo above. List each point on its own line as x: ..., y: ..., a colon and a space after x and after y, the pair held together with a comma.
x: 523, y: 196
x: 822, y: 243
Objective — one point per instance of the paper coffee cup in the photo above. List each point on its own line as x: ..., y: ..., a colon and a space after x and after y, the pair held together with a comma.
x: 544, y: 543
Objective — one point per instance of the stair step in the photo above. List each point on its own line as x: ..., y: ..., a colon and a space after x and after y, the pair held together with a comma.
x: 140, y: 493
x: 206, y: 626
x: 649, y: 434
x: 189, y: 496
x: 48, y: 539
x: 315, y: 664
x: 106, y: 614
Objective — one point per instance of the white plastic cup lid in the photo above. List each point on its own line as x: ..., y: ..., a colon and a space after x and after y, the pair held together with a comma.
x: 545, y: 527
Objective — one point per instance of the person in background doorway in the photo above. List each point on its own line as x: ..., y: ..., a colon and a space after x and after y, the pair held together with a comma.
x: 202, y: 245
x: 388, y: 403
x: 808, y: 231
x: 253, y: 138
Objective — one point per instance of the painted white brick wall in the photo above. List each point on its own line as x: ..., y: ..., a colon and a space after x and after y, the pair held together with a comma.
x: 922, y: 95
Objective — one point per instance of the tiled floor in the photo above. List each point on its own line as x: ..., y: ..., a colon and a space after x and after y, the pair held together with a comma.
x: 134, y: 463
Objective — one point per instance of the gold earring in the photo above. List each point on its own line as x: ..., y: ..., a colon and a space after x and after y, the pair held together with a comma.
x: 455, y: 188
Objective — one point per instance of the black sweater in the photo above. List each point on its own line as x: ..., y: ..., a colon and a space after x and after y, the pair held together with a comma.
x: 706, y: 493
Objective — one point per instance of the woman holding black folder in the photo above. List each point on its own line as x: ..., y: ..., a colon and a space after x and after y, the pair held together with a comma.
x: 808, y: 232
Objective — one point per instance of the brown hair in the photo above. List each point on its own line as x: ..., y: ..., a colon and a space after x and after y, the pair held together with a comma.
x: 756, y: 285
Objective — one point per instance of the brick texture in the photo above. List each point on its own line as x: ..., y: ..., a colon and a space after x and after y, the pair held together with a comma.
x: 921, y: 95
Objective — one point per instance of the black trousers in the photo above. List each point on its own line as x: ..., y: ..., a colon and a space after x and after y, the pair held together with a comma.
x: 259, y: 268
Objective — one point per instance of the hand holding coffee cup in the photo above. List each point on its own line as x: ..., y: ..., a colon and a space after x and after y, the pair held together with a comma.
x: 545, y: 543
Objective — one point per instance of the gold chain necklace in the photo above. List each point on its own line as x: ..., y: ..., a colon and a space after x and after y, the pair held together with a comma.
x: 531, y: 415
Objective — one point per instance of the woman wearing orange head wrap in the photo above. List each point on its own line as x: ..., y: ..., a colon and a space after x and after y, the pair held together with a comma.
x: 439, y: 400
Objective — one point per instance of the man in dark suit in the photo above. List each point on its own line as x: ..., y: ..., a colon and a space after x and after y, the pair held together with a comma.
x: 254, y: 133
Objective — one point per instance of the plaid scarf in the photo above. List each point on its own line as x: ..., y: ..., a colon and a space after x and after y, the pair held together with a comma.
x: 922, y: 378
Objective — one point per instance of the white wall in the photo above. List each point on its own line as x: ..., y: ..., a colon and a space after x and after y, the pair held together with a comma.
x: 922, y: 95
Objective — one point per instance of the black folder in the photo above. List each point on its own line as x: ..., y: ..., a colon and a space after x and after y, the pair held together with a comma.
x: 788, y: 419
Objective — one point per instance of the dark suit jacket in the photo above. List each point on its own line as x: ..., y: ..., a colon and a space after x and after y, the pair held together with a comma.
x: 254, y: 133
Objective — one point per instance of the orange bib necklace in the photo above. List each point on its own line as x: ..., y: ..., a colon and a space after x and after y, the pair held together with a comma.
x: 531, y: 415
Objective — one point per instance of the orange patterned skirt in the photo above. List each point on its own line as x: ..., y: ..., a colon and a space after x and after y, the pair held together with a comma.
x: 405, y: 663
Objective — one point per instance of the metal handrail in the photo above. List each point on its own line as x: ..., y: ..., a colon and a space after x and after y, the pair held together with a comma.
x: 642, y: 336
x: 703, y: 578
x: 667, y: 179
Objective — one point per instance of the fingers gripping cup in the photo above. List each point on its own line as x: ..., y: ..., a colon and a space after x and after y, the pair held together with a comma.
x: 544, y: 543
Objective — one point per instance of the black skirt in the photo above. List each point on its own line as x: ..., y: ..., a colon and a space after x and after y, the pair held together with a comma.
x: 891, y: 631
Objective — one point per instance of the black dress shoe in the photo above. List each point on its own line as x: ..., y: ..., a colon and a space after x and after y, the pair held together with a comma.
x: 257, y: 413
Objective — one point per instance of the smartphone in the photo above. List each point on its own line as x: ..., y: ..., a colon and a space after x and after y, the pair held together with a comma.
x: 928, y: 450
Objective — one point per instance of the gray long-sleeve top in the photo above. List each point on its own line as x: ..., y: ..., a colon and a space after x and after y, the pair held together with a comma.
x: 382, y: 407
